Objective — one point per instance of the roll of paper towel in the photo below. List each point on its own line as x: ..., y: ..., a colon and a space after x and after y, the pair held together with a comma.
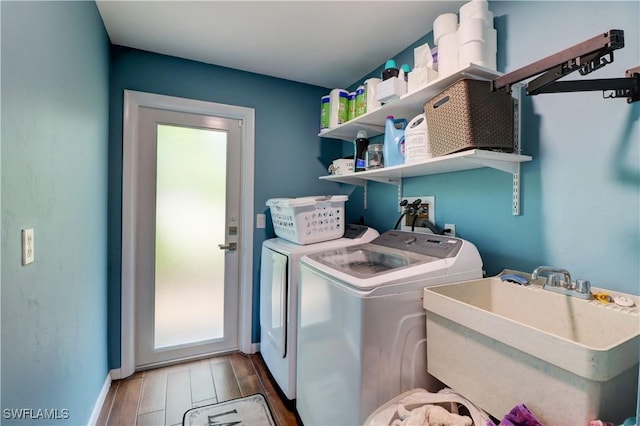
x: 486, y: 16
x: 474, y: 9
x: 472, y: 52
x: 471, y: 30
x: 370, y: 90
x: 338, y: 109
x: 444, y: 24
x: 490, y: 49
x: 448, y: 51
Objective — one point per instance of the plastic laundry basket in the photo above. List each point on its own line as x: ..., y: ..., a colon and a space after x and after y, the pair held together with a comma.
x: 308, y: 220
x: 386, y: 414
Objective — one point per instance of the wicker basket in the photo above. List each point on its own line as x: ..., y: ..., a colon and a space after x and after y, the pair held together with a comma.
x: 468, y: 115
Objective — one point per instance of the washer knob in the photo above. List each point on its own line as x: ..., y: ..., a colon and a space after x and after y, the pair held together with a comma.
x: 410, y: 241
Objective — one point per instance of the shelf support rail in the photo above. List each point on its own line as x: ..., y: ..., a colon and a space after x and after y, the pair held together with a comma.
x: 365, y: 195
x: 515, y: 199
x: 517, y: 142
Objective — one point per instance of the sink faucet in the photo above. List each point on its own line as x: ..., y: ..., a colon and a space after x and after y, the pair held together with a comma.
x: 553, y: 276
x: 559, y: 281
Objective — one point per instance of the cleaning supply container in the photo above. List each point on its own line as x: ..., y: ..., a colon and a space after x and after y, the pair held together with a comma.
x: 394, y: 141
x: 338, y: 107
x: 325, y: 112
x: 308, y: 220
x: 390, y: 70
x: 416, y: 140
x: 375, y: 156
x: 360, y: 150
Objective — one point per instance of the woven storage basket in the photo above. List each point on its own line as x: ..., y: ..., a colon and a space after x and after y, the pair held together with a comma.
x: 468, y: 115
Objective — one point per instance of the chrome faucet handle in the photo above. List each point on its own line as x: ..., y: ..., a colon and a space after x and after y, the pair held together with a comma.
x: 583, y: 286
x: 555, y: 279
x: 550, y: 271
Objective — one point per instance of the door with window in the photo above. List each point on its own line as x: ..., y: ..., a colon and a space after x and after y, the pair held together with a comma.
x: 186, y: 244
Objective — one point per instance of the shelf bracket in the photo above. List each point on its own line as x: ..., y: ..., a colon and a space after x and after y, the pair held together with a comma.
x: 389, y: 181
x: 505, y: 166
x: 517, y: 117
x: 508, y: 167
x: 365, y: 195
x: 515, y: 198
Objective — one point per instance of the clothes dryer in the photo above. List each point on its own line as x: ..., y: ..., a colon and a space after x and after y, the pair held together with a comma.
x: 361, y: 324
x: 279, y: 275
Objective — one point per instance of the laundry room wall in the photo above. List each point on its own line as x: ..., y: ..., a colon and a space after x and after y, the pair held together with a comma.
x: 55, y: 76
x: 288, y: 156
x: 581, y: 193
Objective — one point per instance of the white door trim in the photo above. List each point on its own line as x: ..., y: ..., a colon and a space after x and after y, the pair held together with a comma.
x: 132, y: 101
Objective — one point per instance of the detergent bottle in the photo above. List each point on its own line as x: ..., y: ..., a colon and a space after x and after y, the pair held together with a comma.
x: 394, y: 141
x: 360, y: 150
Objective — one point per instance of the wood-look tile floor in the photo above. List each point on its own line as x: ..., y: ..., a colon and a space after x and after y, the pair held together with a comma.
x: 161, y: 396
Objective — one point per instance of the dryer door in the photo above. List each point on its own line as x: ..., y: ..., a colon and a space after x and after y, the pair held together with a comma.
x: 273, y: 299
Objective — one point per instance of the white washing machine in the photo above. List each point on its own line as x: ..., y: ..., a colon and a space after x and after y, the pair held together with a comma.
x: 279, y: 276
x: 361, y: 333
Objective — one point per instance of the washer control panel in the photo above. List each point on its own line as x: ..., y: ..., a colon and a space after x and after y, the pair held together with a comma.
x: 427, y: 244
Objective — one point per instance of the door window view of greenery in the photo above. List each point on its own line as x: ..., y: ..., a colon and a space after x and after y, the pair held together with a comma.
x: 190, y: 223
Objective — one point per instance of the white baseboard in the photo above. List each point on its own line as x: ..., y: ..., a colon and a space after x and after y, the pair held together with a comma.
x: 116, y: 374
x: 97, y: 408
x: 255, y: 348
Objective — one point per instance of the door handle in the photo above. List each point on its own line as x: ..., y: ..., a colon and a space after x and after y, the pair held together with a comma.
x: 230, y: 246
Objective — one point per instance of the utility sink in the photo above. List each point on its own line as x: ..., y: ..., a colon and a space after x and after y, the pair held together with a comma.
x: 568, y: 360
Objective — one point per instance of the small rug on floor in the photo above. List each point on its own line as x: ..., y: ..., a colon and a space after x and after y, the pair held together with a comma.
x: 250, y: 410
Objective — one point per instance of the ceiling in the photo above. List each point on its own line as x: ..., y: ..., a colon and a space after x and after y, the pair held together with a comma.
x: 324, y: 43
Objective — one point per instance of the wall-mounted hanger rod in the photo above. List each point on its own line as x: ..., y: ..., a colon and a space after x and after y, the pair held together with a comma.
x: 585, y: 57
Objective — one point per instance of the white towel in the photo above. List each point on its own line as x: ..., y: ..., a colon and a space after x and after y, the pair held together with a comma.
x: 429, y: 415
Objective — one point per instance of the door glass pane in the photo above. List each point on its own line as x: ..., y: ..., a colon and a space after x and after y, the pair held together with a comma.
x: 190, y: 223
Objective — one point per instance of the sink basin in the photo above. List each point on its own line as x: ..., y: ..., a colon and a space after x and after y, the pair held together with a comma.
x: 500, y: 344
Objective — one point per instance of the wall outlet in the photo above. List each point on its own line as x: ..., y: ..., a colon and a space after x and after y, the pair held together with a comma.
x: 28, y: 246
x: 452, y: 228
x: 261, y: 221
x: 427, y: 213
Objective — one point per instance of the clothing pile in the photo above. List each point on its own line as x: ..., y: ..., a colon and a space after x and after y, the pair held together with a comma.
x: 419, y: 407
x: 430, y: 415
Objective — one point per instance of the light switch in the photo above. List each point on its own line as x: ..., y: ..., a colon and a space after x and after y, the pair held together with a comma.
x: 261, y: 221
x: 27, y: 246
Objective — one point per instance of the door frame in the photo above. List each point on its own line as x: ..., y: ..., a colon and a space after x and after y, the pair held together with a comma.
x: 133, y: 100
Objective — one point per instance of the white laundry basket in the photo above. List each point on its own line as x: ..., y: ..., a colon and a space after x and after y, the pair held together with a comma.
x: 308, y: 220
x: 388, y: 413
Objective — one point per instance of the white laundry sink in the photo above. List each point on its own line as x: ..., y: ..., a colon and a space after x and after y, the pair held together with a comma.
x: 500, y: 344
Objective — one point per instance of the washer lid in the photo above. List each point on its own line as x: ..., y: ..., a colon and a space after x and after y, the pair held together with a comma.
x: 368, y: 260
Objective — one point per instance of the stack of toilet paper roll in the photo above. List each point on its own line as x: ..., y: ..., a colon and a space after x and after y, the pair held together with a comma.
x: 477, y: 39
x: 472, y: 40
x: 445, y: 36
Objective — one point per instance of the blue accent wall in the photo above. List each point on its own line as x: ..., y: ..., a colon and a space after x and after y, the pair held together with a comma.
x: 55, y: 67
x: 61, y: 166
x: 289, y: 157
x: 581, y: 193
